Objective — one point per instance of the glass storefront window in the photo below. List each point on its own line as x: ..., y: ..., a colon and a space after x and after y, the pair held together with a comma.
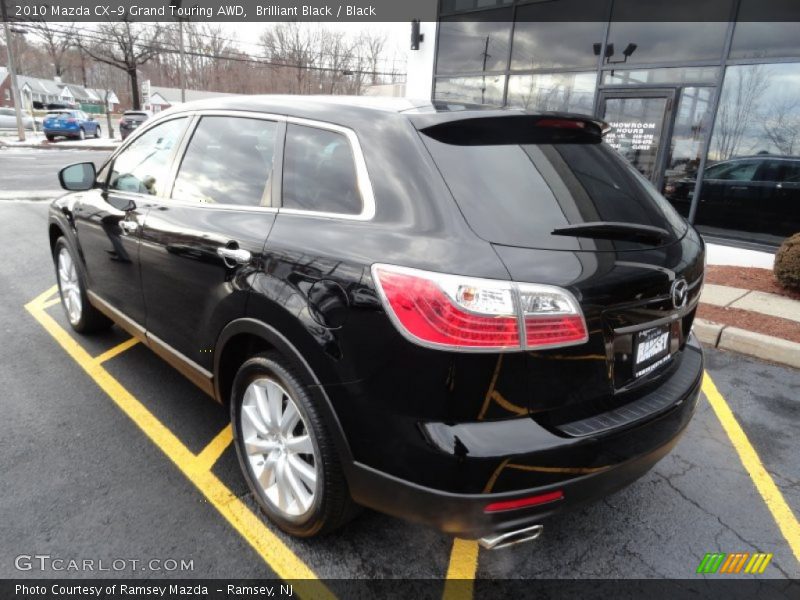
x: 452, y: 6
x: 751, y: 186
x: 473, y: 46
x: 546, y: 36
x: 692, y: 121
x: 655, y: 42
x: 571, y: 92
x: 752, y: 39
x: 669, y: 75
x: 483, y: 89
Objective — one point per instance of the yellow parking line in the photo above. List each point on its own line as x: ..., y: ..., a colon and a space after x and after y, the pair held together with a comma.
x: 460, y: 583
x: 52, y: 302
x: 118, y: 349
x: 279, y: 557
x: 784, y: 518
x: 211, y: 453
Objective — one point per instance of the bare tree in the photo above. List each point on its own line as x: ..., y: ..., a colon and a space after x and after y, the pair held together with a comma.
x: 56, y: 41
x: 293, y: 44
x: 125, y: 46
x: 741, y: 92
x: 781, y: 124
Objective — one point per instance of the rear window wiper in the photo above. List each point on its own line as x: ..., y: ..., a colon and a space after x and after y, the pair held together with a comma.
x: 614, y: 230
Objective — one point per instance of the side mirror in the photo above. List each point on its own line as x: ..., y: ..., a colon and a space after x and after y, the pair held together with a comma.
x: 78, y: 177
x: 91, y: 118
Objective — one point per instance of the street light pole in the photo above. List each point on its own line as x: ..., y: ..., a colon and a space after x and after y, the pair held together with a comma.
x: 13, y: 73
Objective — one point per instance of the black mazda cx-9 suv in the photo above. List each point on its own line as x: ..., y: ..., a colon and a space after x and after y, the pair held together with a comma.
x: 468, y: 317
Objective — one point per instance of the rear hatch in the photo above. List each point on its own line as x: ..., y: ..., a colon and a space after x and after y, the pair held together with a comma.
x: 58, y: 120
x: 562, y: 208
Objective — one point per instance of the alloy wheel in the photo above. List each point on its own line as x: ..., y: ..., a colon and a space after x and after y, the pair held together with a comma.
x: 279, y: 448
x: 70, y: 286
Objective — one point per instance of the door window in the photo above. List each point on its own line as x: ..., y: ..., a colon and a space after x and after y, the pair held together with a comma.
x: 737, y: 171
x: 143, y: 167
x: 228, y: 161
x: 319, y: 172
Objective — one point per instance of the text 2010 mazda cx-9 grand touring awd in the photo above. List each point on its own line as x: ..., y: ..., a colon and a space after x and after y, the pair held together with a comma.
x: 472, y: 318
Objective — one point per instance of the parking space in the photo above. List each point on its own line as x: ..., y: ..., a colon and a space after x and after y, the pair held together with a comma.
x: 110, y: 453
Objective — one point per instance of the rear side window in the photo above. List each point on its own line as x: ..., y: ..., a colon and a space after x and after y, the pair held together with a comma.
x: 319, y: 172
x: 143, y: 167
x: 228, y: 161
x: 517, y: 193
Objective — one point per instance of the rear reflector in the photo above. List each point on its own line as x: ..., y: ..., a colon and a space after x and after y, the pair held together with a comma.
x: 471, y: 314
x: 524, y: 502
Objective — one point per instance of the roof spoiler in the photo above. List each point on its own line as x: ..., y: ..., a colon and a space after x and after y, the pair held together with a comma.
x: 517, y: 128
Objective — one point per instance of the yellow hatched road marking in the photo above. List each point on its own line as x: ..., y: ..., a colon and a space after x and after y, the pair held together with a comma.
x: 211, y: 453
x: 776, y: 503
x: 461, y: 570
x: 279, y: 557
x: 116, y: 350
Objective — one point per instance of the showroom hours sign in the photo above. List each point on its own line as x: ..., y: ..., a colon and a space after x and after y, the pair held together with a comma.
x: 632, y: 135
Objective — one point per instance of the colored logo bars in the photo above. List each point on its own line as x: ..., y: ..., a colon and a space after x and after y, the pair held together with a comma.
x: 720, y: 562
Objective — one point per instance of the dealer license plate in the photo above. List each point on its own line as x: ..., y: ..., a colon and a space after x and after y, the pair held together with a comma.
x: 650, y: 350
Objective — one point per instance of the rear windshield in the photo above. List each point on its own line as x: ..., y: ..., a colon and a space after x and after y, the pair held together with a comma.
x: 55, y: 115
x: 517, y: 194
x: 136, y: 115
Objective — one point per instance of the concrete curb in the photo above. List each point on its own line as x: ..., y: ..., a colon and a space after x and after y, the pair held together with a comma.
x: 60, y: 146
x: 758, y: 345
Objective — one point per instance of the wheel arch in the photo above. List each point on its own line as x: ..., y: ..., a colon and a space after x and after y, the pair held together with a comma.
x: 245, y: 337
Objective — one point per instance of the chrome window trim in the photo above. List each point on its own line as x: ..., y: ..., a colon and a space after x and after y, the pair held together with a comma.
x: 146, y: 198
x: 362, y: 176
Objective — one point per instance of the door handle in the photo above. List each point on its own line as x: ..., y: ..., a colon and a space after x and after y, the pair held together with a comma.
x: 739, y: 188
x: 237, y: 255
x: 129, y: 226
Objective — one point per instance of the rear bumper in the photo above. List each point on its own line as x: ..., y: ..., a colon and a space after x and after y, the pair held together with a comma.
x: 583, y: 468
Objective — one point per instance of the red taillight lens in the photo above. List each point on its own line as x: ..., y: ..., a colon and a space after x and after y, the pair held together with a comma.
x: 72, y: 121
x: 544, y: 331
x: 457, y: 312
x: 524, y: 502
x: 426, y: 311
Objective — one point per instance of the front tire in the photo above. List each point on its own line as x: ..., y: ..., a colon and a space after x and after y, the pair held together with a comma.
x: 81, y: 134
x: 82, y: 316
x: 284, y: 449
x: 97, y: 132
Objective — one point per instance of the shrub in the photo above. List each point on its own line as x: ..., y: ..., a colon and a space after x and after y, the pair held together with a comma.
x: 787, y: 262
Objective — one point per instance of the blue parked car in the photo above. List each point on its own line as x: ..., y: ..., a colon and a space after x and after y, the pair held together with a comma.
x: 71, y: 124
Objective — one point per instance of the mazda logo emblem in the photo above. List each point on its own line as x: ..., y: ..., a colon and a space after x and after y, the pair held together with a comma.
x: 679, y: 293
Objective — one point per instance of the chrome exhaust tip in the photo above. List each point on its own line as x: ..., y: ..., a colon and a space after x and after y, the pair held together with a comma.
x: 511, y: 538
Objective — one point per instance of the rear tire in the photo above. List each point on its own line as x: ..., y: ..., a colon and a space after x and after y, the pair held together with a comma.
x: 81, y: 134
x: 82, y: 316
x: 49, y: 137
x: 285, y: 451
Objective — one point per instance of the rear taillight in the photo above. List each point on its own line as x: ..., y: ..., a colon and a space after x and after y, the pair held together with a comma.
x: 72, y: 120
x: 457, y: 312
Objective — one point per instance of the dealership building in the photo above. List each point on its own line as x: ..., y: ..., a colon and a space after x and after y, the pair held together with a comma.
x: 708, y: 109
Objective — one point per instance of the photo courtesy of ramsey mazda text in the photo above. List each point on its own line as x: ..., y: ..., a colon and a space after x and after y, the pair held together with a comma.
x: 397, y: 299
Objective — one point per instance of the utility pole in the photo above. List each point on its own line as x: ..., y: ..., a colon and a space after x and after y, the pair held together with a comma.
x: 183, y: 84
x: 13, y: 73
x: 176, y: 5
x: 485, y: 55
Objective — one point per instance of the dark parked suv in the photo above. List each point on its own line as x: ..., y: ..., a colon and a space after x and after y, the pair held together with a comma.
x: 468, y: 317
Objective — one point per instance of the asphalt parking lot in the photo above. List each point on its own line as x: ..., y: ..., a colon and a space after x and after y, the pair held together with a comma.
x: 108, y: 454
